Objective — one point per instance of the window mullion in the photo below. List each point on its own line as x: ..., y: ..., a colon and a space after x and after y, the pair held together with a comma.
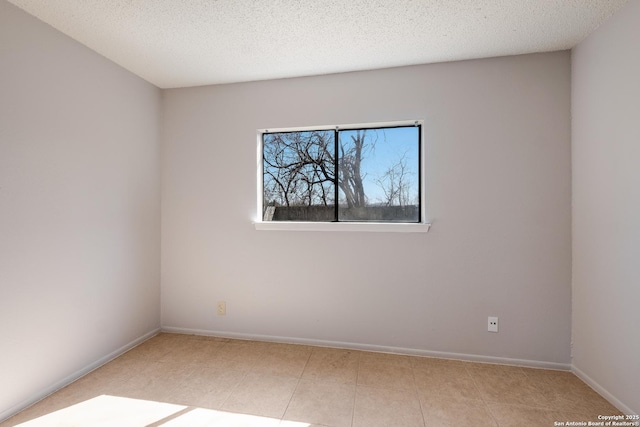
x: 420, y: 172
x: 335, y: 174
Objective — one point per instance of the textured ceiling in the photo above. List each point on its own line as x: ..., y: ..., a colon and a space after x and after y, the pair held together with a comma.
x: 178, y: 43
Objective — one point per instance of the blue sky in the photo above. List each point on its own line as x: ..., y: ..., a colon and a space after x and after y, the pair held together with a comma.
x: 390, y: 145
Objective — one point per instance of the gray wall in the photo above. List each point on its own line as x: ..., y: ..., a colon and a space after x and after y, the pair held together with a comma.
x: 79, y: 208
x: 498, y: 190
x: 606, y: 208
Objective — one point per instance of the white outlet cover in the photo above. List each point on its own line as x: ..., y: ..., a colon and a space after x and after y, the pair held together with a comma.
x: 492, y: 324
x: 221, y: 308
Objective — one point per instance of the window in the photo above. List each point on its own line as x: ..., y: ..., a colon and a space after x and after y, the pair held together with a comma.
x: 342, y: 175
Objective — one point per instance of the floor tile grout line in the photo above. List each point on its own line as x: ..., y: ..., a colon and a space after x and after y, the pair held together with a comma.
x: 415, y: 385
x: 244, y: 371
x: 234, y: 388
x: 296, y: 387
x: 355, y: 389
x: 289, y: 402
x: 168, y: 418
x: 484, y: 401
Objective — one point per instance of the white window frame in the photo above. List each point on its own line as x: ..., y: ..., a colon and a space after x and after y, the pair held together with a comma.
x: 401, y: 227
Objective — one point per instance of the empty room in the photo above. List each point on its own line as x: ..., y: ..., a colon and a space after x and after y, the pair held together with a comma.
x: 319, y: 213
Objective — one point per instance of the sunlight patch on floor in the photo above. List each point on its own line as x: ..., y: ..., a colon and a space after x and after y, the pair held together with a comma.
x: 208, y: 417
x: 107, y: 411
x: 114, y: 411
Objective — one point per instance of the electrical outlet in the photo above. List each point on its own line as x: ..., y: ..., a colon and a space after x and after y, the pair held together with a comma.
x: 222, y: 308
x: 493, y: 324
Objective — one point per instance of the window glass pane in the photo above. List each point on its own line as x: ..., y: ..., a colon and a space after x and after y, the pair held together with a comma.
x: 299, y: 176
x: 378, y: 175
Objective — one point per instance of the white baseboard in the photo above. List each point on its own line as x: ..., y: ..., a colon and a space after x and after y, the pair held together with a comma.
x: 376, y: 348
x: 75, y: 376
x: 602, y: 391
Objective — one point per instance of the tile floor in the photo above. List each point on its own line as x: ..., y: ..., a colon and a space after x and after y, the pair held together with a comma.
x: 223, y: 382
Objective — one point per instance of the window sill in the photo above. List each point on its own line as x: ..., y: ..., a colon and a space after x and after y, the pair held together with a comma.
x: 343, y: 226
